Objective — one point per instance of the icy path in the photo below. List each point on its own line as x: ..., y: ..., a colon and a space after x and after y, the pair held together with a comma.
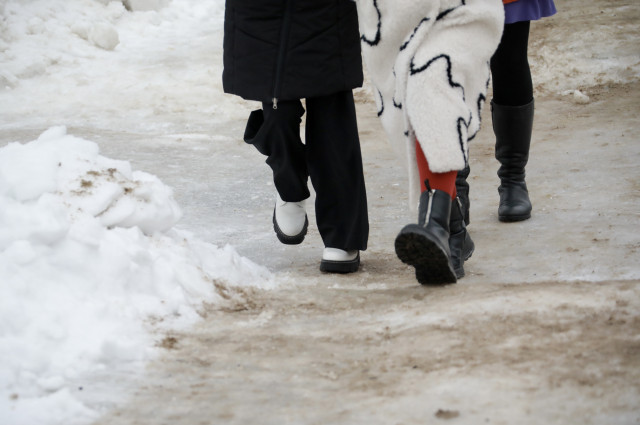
x: 544, y: 329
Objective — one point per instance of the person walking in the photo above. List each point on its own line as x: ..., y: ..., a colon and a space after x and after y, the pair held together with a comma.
x: 429, y: 63
x: 278, y: 52
x: 512, y: 110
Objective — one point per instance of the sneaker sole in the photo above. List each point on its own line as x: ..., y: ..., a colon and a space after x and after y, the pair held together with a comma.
x: 290, y: 240
x: 351, y: 266
x: 414, y: 247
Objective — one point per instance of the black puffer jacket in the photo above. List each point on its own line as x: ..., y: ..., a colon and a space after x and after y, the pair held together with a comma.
x: 290, y: 49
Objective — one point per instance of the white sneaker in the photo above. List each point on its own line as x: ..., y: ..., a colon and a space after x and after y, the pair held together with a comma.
x: 290, y: 221
x: 336, y: 260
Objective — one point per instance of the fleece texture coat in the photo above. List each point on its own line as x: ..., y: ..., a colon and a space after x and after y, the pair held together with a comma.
x: 429, y: 62
x: 290, y: 49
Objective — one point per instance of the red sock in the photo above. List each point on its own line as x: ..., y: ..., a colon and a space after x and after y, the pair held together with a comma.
x: 445, y: 182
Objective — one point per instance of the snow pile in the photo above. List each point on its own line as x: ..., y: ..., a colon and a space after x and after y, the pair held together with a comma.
x: 145, y: 4
x: 88, y: 254
x: 156, y: 67
x: 38, y: 34
x: 103, y: 35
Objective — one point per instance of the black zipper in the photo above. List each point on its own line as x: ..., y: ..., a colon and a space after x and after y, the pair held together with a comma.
x: 282, y: 49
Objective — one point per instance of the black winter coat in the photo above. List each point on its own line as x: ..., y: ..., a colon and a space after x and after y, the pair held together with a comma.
x: 290, y: 49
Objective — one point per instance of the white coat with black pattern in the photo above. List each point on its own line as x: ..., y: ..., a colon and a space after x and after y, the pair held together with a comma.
x: 429, y: 63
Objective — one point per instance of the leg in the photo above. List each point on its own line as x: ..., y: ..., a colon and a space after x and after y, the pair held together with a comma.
x: 510, y: 72
x: 445, y: 182
x: 427, y: 245
x: 512, y: 111
x: 460, y: 244
x: 462, y: 189
x: 335, y: 166
x: 276, y: 134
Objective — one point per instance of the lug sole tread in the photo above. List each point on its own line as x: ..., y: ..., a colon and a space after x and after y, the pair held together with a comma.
x: 433, y: 265
x: 329, y: 266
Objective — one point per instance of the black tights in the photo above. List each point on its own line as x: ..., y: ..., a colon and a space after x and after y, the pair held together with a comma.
x: 512, y: 85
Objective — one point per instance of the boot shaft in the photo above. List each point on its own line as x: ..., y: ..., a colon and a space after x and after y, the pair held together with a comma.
x: 462, y: 189
x: 456, y: 219
x: 512, y: 126
x: 425, y: 245
x: 434, y: 209
x: 460, y: 244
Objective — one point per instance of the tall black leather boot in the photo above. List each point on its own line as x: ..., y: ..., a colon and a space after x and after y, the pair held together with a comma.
x: 462, y: 187
x: 512, y: 126
x: 425, y: 245
x: 460, y: 243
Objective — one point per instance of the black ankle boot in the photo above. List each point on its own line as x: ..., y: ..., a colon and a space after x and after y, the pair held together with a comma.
x: 426, y: 245
x: 462, y: 187
x: 460, y: 243
x: 512, y: 126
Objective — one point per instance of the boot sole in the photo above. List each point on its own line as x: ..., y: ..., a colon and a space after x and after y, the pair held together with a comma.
x: 351, y: 266
x: 290, y: 240
x: 513, y: 218
x: 415, y: 247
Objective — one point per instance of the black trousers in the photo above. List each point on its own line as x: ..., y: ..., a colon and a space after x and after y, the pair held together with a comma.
x: 330, y: 156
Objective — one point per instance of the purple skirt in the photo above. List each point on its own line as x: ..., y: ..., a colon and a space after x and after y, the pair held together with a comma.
x: 528, y: 10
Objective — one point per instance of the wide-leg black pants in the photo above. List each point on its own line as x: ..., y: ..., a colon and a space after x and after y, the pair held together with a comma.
x: 330, y: 156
